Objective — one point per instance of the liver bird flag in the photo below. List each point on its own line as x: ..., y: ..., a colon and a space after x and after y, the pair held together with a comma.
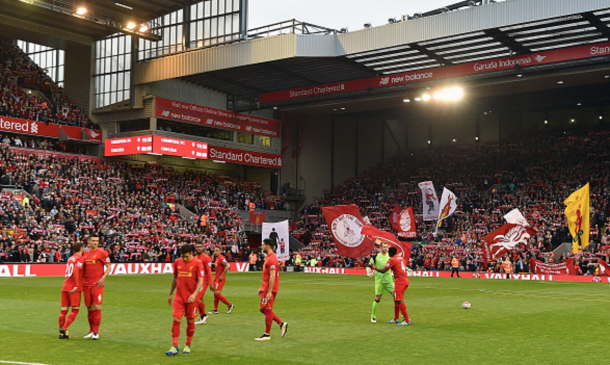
x: 577, y: 213
x: 447, y: 207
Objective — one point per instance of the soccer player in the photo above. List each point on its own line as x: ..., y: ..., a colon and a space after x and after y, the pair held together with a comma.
x: 399, y: 269
x: 220, y: 277
x: 383, y: 282
x: 70, y: 292
x: 269, y: 289
x: 207, y: 280
x: 97, y: 268
x: 188, y: 279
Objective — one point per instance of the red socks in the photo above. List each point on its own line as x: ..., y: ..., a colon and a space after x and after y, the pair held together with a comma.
x: 96, y: 317
x: 62, y: 318
x: 190, y: 331
x: 268, y: 320
x: 221, y: 298
x: 403, y: 310
x: 396, y: 311
x: 202, y: 309
x: 276, y: 318
x: 175, y: 332
x: 90, y: 319
x: 71, y: 318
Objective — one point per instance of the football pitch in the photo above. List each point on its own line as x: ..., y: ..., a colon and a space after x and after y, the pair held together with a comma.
x: 329, y: 316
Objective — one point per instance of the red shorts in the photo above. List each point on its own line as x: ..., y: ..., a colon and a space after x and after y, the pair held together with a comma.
x: 201, y: 294
x: 264, y: 303
x: 93, y: 295
x: 399, y: 292
x: 189, y: 310
x: 70, y: 300
x: 218, y: 285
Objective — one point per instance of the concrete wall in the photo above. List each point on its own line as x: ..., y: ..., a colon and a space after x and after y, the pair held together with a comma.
x: 77, y: 74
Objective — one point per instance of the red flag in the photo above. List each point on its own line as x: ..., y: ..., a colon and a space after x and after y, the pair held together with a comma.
x: 257, y: 218
x: 345, y: 224
x: 377, y: 234
x: 565, y: 267
x: 504, y: 239
x: 604, y: 268
x: 395, y: 218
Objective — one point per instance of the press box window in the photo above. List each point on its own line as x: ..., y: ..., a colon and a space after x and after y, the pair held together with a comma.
x: 245, y: 138
x: 265, y: 141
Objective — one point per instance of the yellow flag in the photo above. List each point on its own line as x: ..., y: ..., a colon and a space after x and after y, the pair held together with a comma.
x: 577, y: 213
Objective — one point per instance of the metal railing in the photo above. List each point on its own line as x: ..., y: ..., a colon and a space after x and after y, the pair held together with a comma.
x: 292, y: 26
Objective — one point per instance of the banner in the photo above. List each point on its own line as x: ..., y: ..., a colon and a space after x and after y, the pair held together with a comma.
x: 394, y: 217
x: 559, y: 268
x: 257, y: 218
x: 577, y: 214
x: 279, y: 233
x: 429, y: 201
x: 225, y: 154
x: 447, y: 207
x: 137, y: 268
x: 504, y: 239
x: 41, y: 129
x: 406, y: 224
x: 472, y: 68
x: 216, y: 118
x: 345, y: 224
x: 375, y: 234
x: 515, y: 217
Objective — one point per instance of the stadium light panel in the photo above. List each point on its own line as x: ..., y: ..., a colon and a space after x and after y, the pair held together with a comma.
x: 81, y: 11
x: 601, y: 117
x: 130, y: 25
x: 429, y: 142
x: 27, y: 1
x: 476, y: 138
x: 123, y: 6
x: 143, y: 28
x: 546, y: 122
x: 426, y: 97
x: 418, y: 99
x: 407, y: 100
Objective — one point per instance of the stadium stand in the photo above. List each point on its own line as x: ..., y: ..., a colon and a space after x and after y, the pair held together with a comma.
x: 533, y: 174
x: 130, y: 206
x: 43, y: 101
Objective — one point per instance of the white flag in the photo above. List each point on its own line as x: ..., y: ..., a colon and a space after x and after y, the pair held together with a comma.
x: 430, y: 201
x: 515, y: 217
x: 279, y: 233
x: 448, y: 206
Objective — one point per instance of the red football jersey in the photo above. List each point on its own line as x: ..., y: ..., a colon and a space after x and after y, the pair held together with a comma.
x: 270, y: 264
x: 220, y: 267
x: 74, y: 273
x: 207, y: 268
x: 95, y: 261
x: 187, y: 275
x: 399, y: 269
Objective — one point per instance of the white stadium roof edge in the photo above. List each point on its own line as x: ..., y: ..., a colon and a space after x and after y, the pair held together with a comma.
x: 293, y: 60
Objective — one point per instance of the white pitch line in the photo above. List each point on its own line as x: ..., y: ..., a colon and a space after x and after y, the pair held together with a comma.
x: 21, y: 363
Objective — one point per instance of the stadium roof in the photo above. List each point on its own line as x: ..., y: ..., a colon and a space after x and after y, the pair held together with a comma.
x: 478, y: 33
x: 60, y: 15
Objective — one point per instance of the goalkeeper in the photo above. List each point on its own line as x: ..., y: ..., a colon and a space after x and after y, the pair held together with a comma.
x: 383, y: 281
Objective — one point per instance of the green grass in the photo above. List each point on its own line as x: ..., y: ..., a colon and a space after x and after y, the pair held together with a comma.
x: 510, y: 321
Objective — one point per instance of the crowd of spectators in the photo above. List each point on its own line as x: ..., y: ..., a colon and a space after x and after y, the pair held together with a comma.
x: 43, y: 101
x: 131, y: 207
x: 534, y: 174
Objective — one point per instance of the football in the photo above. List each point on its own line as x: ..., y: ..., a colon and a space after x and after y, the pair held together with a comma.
x: 466, y: 305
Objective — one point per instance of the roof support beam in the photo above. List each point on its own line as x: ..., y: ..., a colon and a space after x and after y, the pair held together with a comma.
x: 507, y: 41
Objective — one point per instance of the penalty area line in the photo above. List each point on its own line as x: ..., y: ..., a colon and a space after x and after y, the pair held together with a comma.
x: 21, y: 363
